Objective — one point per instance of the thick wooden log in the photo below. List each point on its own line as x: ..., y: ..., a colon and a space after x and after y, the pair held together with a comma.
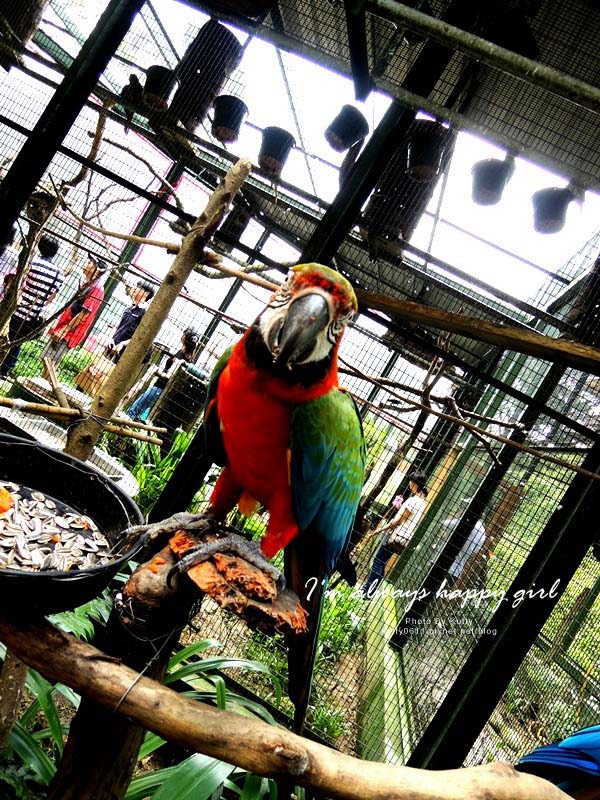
x: 252, y: 744
x: 572, y: 354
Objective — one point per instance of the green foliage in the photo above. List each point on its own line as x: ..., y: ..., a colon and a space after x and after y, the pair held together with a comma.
x: 29, y: 363
x: 29, y: 761
x: 152, y: 471
x: 72, y: 363
x: 19, y: 782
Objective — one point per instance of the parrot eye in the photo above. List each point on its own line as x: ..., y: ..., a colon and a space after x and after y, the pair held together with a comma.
x: 284, y: 293
x: 338, y: 324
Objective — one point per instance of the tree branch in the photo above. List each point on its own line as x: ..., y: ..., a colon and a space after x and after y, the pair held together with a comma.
x: 249, y: 743
x: 83, y: 436
x: 470, y: 427
x: 165, y: 183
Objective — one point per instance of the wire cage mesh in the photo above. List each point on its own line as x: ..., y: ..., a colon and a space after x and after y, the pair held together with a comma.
x: 368, y: 698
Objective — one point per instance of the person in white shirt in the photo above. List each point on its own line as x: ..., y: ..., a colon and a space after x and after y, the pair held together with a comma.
x: 473, y: 544
x: 401, y: 529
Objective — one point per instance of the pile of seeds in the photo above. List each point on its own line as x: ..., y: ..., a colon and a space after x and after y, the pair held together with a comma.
x: 41, y: 533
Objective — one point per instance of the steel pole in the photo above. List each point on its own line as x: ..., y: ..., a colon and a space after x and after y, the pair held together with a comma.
x: 62, y: 110
x: 526, y: 69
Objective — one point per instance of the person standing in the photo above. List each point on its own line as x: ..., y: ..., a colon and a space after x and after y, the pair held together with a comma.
x: 40, y: 287
x: 9, y: 260
x: 473, y: 545
x: 130, y: 319
x: 75, y: 321
x: 140, y: 408
x: 400, y: 531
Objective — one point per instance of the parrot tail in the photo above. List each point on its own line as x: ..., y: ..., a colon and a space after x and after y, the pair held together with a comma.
x: 306, y: 578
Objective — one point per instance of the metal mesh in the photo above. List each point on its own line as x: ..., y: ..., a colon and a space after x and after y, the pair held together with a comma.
x: 368, y: 699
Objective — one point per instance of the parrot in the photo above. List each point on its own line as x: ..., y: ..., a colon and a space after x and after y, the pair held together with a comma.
x: 291, y: 440
x: 573, y: 764
x: 132, y: 96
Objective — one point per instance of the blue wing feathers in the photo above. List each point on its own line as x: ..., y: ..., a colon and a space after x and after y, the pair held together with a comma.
x: 327, y: 469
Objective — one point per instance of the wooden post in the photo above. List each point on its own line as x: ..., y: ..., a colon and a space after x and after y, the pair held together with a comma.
x: 83, y: 436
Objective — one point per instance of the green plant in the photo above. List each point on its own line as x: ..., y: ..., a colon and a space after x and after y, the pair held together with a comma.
x: 34, y: 747
x: 152, y: 470
x: 72, y: 363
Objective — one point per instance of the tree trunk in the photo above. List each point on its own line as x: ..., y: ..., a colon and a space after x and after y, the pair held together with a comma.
x: 12, y: 683
x: 250, y: 743
x: 83, y: 436
x: 102, y: 748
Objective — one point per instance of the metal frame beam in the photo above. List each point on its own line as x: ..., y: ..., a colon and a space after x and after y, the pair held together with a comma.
x: 457, y: 37
x: 356, y: 26
x: 61, y: 112
x: 422, y: 78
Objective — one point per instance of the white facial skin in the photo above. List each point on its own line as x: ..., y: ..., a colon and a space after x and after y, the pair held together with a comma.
x: 275, y: 314
x: 273, y: 318
x: 138, y: 295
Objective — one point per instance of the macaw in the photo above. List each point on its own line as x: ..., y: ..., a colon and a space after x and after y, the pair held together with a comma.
x: 291, y: 440
x: 573, y: 764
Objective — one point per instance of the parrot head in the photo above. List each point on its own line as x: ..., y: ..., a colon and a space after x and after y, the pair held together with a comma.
x: 306, y: 317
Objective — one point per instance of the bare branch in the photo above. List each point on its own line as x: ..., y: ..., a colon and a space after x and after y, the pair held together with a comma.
x: 470, y: 427
x: 170, y: 189
x: 250, y: 743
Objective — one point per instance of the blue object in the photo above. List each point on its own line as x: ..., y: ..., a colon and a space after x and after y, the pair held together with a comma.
x: 572, y: 763
x: 140, y: 409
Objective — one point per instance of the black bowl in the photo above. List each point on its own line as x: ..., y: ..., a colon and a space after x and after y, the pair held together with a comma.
x: 89, y: 492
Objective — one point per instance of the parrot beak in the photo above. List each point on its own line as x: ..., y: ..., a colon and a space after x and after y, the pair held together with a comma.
x: 295, y: 340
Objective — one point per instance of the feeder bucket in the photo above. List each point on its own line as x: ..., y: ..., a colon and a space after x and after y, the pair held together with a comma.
x: 229, y: 115
x: 348, y: 128
x: 550, y: 209
x: 425, y: 150
x: 88, y: 491
x: 490, y: 177
x: 274, y: 150
x: 204, y: 68
x: 160, y: 84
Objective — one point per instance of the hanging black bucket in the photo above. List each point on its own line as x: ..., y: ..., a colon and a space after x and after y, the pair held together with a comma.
x: 21, y: 19
x: 490, y: 177
x: 229, y: 115
x: 274, y: 150
x: 348, y: 128
x: 550, y: 209
x: 204, y: 68
x: 160, y: 84
x: 425, y: 149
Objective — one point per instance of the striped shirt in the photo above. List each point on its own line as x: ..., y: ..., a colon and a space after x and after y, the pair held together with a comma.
x: 43, y: 280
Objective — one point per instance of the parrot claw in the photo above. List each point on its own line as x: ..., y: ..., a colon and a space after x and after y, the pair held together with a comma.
x: 157, y: 531
x: 250, y: 551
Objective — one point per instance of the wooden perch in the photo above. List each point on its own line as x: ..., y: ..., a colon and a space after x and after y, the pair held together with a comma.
x: 238, y: 586
x: 248, y: 743
x: 45, y: 410
x: 231, y: 581
x: 571, y: 354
